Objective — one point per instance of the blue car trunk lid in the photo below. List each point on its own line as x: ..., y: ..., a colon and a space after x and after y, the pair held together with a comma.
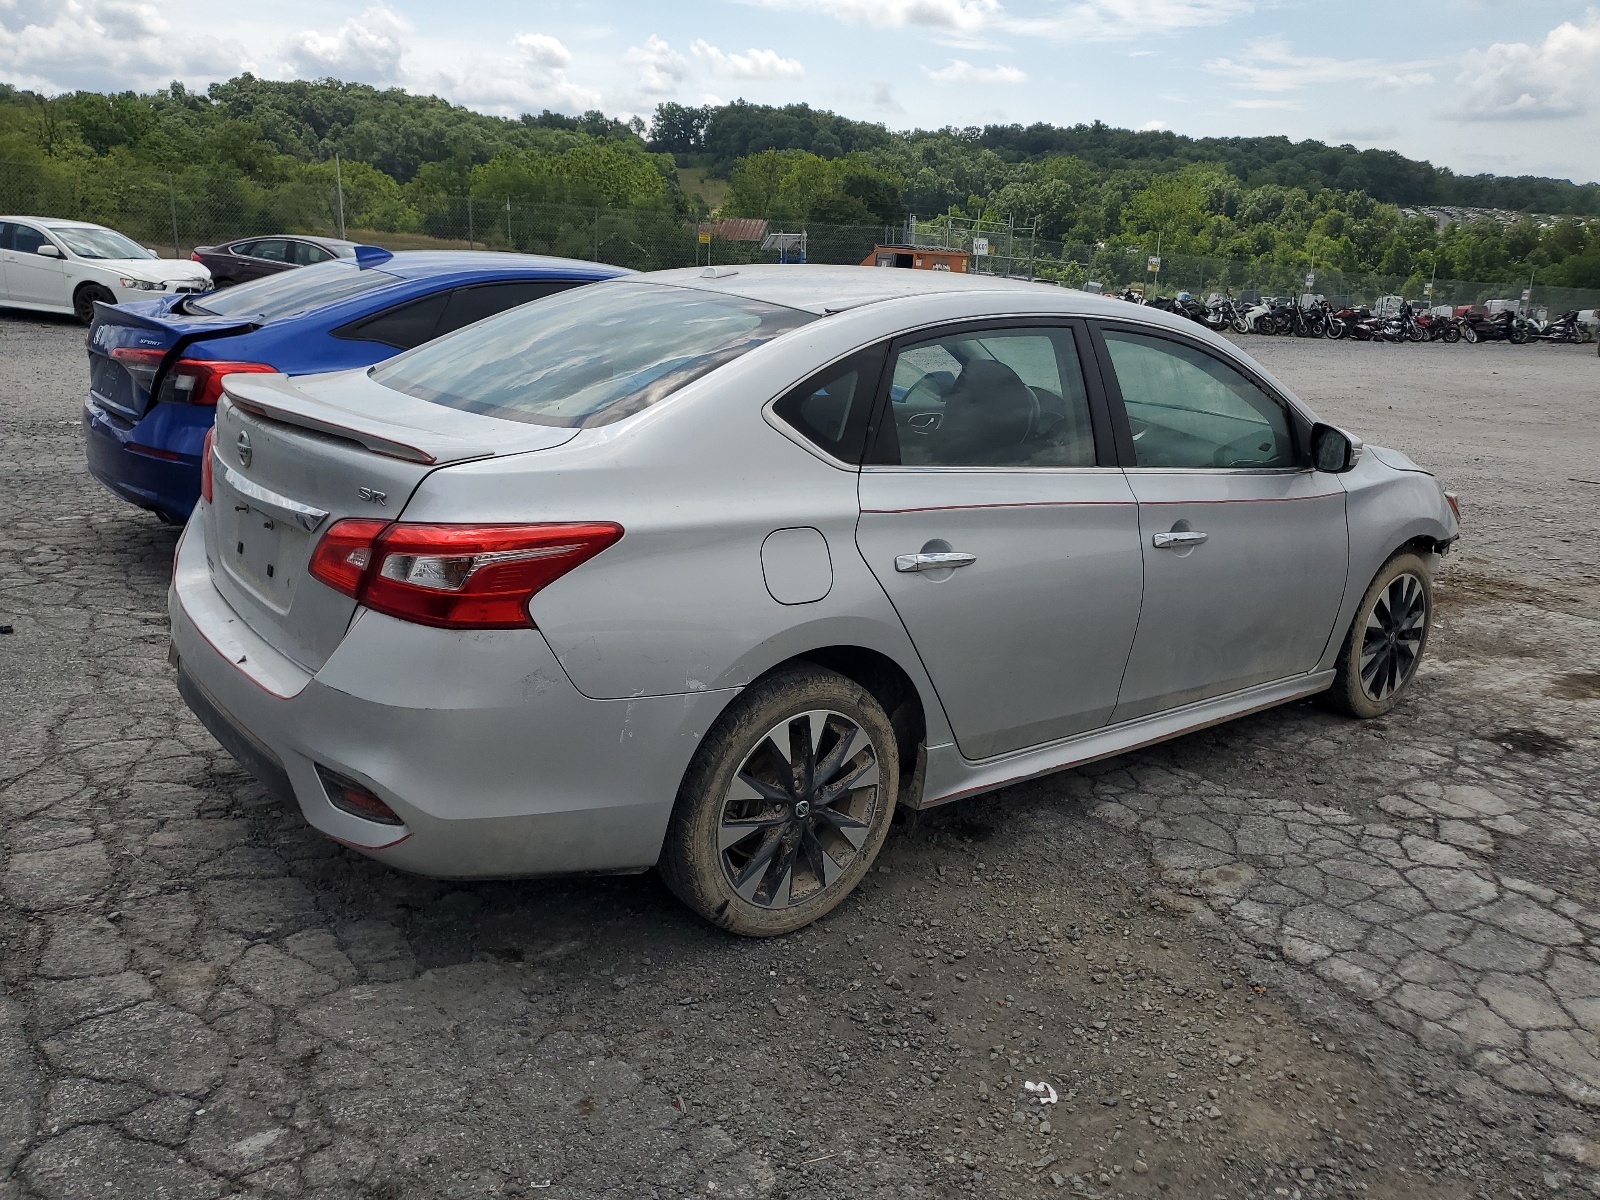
x: 131, y: 350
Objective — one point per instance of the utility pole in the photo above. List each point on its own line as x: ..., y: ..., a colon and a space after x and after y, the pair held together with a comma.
x: 172, y: 201
x: 338, y: 187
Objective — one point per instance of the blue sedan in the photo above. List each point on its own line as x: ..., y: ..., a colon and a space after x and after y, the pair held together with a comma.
x: 156, y: 366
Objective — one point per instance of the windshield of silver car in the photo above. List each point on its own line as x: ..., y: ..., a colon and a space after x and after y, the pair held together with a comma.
x: 589, y: 356
x: 291, y: 292
x: 88, y: 242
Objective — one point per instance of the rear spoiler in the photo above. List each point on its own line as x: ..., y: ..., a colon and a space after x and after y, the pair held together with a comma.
x: 273, y: 397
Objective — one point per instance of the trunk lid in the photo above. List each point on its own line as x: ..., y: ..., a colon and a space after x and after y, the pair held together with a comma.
x: 293, y: 457
x: 151, y: 338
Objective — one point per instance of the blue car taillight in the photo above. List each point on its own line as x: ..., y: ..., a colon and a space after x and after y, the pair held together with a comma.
x: 189, y: 381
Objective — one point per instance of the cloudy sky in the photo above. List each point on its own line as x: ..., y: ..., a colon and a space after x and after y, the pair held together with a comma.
x: 1511, y: 86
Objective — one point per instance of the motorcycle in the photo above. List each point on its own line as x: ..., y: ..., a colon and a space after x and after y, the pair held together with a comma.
x: 1564, y: 328
x: 1224, y: 313
x: 1355, y: 322
x: 1501, y: 327
x: 1439, y: 329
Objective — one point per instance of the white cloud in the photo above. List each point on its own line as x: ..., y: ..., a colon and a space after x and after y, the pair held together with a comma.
x: 55, y: 46
x: 367, y: 48
x: 959, y: 16
x: 961, y: 71
x: 658, y: 69
x: 1264, y: 104
x: 963, y: 21
x: 543, y: 50
x: 1269, y: 65
x: 1513, y: 80
x: 533, y: 77
x: 1153, y: 126
x: 883, y: 98
x: 1114, y: 20
x: 752, y: 64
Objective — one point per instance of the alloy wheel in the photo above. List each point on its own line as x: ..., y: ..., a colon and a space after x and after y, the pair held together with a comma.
x: 1391, y: 643
x: 799, y: 809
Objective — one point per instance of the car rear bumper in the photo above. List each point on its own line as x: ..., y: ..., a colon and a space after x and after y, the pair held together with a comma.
x: 153, y: 462
x: 497, y: 765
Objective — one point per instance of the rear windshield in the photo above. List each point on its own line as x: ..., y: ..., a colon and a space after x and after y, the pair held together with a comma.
x: 589, y: 356
x: 291, y: 292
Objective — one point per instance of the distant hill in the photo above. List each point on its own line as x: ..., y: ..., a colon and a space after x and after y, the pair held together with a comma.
x: 732, y: 131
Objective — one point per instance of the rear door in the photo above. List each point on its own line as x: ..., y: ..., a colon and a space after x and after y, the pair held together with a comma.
x: 996, y: 520
x: 1245, y: 545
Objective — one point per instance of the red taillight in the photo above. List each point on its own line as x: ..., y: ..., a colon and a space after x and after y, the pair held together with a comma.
x: 454, y: 576
x: 205, y: 464
x: 342, y: 556
x: 1454, y: 502
x: 199, y: 380
x: 194, y: 257
x: 190, y: 381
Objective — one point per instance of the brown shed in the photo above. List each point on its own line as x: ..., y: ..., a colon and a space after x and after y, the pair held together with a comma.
x: 918, y: 258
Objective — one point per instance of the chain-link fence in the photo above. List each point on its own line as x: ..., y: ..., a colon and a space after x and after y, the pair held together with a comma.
x: 173, y: 213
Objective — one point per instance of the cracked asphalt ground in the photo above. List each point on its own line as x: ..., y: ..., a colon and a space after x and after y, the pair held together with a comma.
x: 1290, y: 956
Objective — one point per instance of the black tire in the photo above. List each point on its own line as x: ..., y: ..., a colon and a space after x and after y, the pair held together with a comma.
x: 1469, y: 334
x: 1518, y: 336
x: 83, y: 301
x: 1385, y: 642
x: 1333, y: 329
x: 1452, y: 335
x: 803, y: 831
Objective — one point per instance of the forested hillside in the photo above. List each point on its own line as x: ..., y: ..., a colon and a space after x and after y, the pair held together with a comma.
x: 409, y: 161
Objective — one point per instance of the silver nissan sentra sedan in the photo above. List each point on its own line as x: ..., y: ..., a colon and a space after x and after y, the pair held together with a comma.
x: 709, y: 570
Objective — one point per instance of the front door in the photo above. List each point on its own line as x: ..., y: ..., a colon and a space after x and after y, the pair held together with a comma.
x: 1245, y: 546
x: 1007, y: 542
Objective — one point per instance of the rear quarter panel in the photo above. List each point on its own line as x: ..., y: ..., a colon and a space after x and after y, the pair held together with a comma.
x: 698, y: 482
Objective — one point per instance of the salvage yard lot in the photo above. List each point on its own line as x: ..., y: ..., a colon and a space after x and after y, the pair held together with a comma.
x: 1290, y: 955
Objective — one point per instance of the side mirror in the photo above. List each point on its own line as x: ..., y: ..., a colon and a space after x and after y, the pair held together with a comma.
x: 1333, y: 450
x: 49, y: 250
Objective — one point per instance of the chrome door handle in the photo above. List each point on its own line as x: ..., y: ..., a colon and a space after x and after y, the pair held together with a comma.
x: 940, y: 561
x: 1170, y: 541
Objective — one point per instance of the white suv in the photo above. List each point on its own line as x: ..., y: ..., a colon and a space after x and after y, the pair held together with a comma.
x: 50, y: 265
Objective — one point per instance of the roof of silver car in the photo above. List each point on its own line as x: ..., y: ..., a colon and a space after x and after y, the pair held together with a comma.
x: 824, y: 289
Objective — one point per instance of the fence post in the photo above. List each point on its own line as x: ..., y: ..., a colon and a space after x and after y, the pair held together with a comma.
x: 172, y: 201
x: 509, y: 242
x: 596, y: 235
x: 338, y: 187
x: 472, y: 238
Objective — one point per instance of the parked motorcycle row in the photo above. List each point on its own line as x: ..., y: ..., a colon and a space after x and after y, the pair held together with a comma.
x: 1320, y: 318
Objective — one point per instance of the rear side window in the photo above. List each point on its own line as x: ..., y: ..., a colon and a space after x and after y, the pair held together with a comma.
x: 271, y: 249
x: 832, y: 408
x: 590, y: 356
x: 474, y: 303
x: 306, y: 254
x: 292, y: 292
x: 403, y: 326
x: 988, y: 398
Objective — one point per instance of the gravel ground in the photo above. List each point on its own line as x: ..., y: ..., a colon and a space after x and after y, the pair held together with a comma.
x: 1291, y: 956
